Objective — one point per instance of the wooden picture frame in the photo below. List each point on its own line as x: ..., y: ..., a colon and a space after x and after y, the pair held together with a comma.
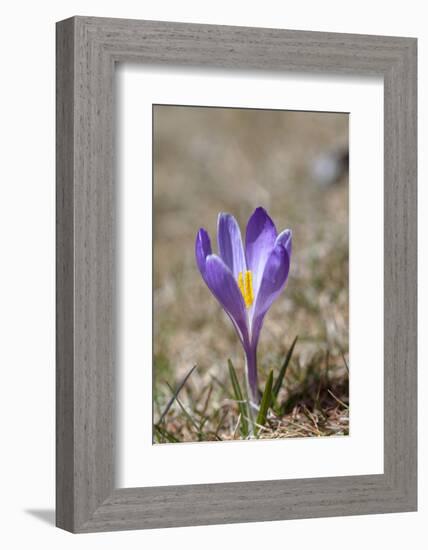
x: 87, y: 50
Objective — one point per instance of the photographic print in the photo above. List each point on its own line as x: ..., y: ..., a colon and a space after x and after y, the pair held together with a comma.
x: 250, y: 271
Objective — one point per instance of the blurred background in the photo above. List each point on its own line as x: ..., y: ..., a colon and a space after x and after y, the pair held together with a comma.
x: 294, y: 164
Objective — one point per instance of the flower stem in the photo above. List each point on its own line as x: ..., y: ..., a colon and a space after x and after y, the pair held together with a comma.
x: 251, y: 364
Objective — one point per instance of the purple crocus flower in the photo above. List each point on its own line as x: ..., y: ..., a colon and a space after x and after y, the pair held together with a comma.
x: 247, y: 281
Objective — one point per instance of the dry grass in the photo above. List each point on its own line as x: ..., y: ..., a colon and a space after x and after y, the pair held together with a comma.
x: 207, y: 161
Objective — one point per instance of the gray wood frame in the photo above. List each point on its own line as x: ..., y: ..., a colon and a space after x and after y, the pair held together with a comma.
x: 87, y: 50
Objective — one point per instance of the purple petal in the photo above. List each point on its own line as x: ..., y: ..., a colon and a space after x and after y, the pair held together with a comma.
x: 284, y: 238
x: 273, y: 281
x: 230, y: 244
x: 223, y: 285
x: 202, y: 249
x: 259, y: 242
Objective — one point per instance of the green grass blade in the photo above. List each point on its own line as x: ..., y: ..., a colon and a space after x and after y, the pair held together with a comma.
x: 166, y: 435
x: 265, y: 402
x: 189, y: 417
x: 239, y: 397
x: 345, y: 362
x: 175, y: 394
x: 281, y: 375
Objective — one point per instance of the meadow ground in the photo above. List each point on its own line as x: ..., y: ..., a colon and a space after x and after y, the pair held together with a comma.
x: 211, y: 160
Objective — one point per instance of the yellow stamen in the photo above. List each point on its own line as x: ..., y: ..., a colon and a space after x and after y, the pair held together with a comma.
x: 249, y: 294
x: 246, y: 287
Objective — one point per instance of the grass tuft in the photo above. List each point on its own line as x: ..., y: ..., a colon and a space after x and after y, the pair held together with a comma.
x: 311, y: 401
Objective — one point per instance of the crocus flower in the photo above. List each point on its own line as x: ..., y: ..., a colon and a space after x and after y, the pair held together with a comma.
x: 246, y: 281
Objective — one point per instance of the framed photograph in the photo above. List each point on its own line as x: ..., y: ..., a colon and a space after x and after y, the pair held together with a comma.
x: 236, y: 274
